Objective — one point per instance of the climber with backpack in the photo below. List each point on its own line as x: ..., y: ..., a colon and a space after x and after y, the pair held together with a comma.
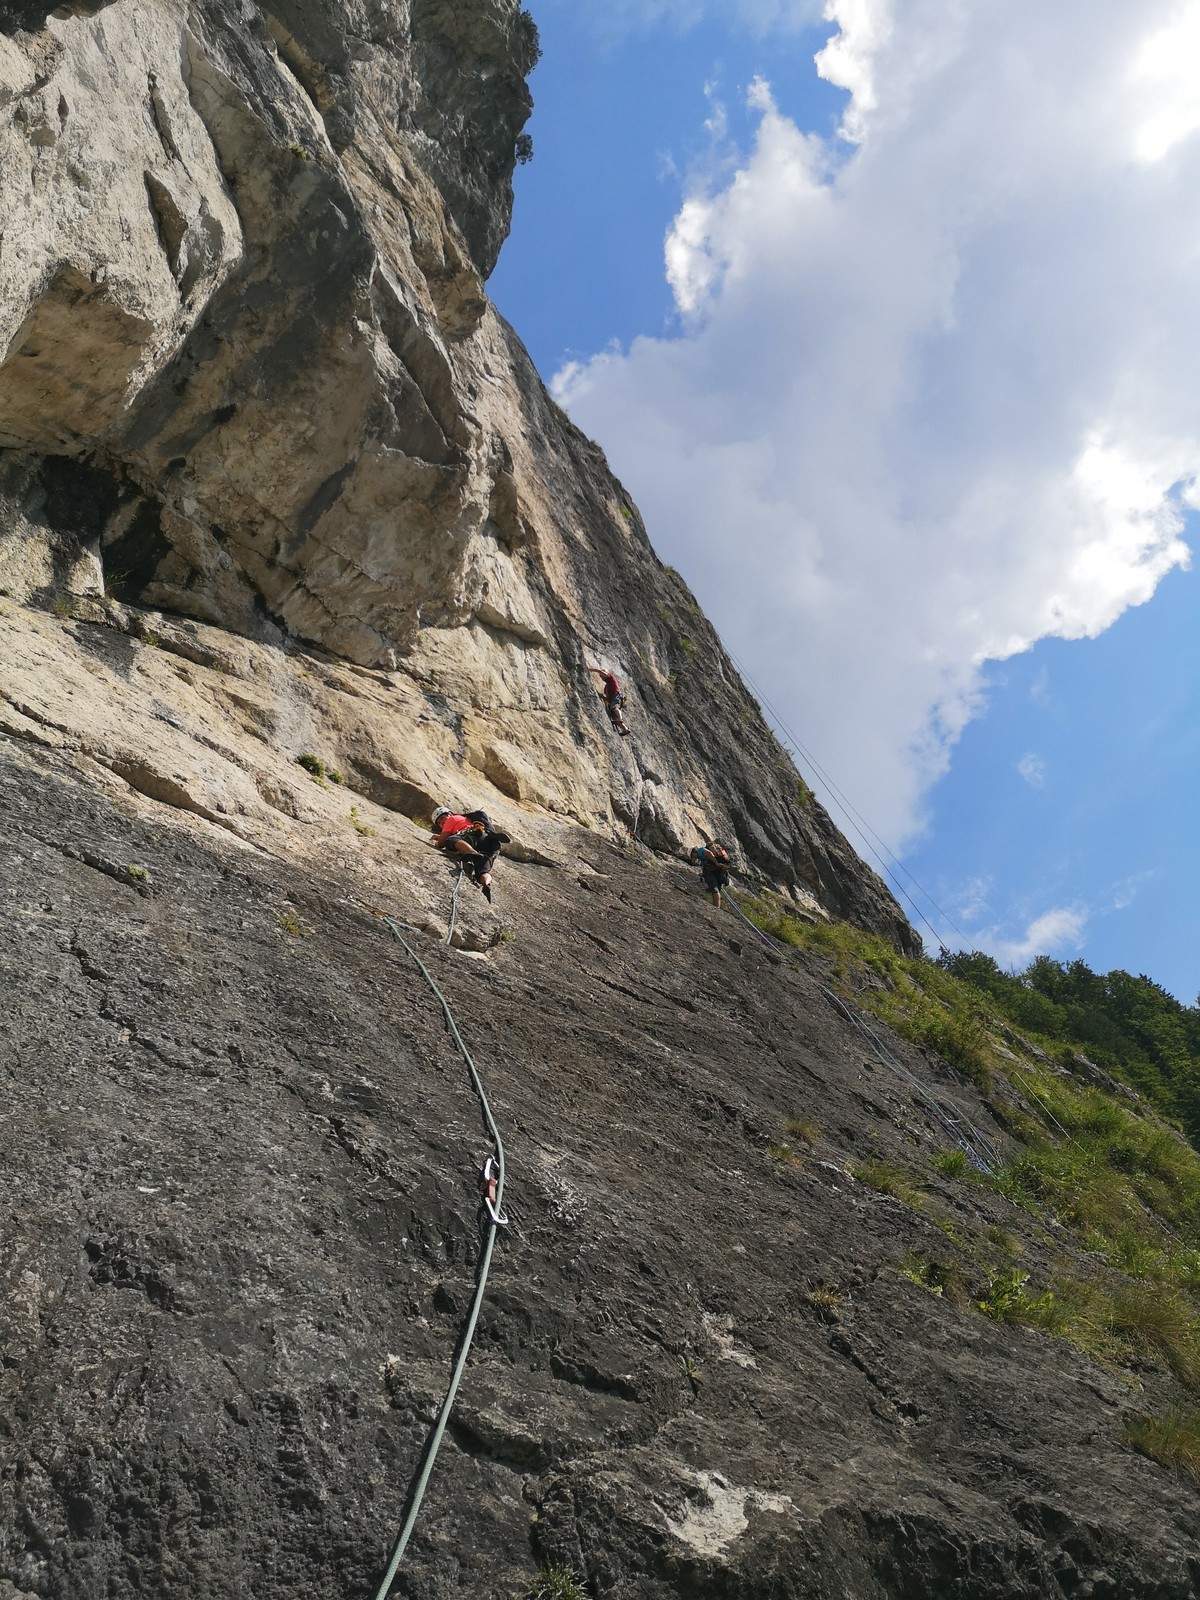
x: 473, y: 839
x: 613, y: 700
x: 713, y: 861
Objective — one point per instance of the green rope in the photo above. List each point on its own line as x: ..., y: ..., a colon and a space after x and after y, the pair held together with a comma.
x: 435, y: 1437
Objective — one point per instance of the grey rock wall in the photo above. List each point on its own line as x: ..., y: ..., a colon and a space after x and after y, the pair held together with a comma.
x: 240, y: 1225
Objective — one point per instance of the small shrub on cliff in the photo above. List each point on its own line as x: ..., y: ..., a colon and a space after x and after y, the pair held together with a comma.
x: 291, y: 924
x: 802, y: 1128
x: 886, y: 1178
x: 943, y: 1278
x: 557, y: 1583
x: 1172, y: 1440
x: 1008, y: 1300
x: 1004, y: 1241
x: 359, y: 826
x: 784, y: 1153
x: 825, y: 1297
x: 952, y: 1163
x: 529, y: 39
x: 63, y: 606
x: 317, y: 770
x: 1159, y: 1323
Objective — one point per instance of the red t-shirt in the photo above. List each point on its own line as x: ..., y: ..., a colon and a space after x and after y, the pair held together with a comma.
x: 611, y: 687
x: 451, y: 825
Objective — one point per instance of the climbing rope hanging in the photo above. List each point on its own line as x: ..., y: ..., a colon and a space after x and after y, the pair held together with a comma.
x: 637, y: 810
x: 1031, y: 1093
x: 949, y: 1121
x: 493, y: 1180
x: 771, y: 944
x: 873, y: 844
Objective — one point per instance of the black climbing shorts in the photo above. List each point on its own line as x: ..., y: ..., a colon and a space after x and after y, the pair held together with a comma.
x: 714, y: 877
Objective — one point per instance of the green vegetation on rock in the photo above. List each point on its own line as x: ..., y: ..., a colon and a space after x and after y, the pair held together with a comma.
x: 1130, y: 1027
x: 1173, y: 1440
x: 557, y: 1583
x: 1091, y: 1158
x: 317, y: 769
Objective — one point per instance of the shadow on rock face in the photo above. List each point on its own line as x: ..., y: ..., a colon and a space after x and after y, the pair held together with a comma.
x: 31, y: 14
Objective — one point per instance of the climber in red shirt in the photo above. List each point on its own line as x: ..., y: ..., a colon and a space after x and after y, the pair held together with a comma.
x: 474, y: 838
x: 613, y: 700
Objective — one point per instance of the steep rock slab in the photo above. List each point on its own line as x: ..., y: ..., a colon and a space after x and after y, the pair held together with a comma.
x: 238, y: 1161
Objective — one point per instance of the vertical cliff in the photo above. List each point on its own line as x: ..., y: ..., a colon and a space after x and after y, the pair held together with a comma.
x: 250, y: 375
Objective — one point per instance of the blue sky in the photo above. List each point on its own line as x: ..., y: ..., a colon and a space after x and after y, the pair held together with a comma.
x: 618, y: 123
x: 931, y: 381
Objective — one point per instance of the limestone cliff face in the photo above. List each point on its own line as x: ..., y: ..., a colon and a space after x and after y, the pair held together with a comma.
x: 249, y: 375
x: 276, y: 481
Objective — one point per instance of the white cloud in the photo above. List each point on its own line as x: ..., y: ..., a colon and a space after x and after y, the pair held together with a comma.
x: 1164, y: 70
x: 972, y: 899
x: 933, y: 393
x: 1050, y: 934
x: 1033, y: 769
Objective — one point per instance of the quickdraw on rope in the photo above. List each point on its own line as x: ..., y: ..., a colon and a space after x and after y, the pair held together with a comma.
x: 492, y: 1183
x: 489, y: 1182
x: 454, y: 903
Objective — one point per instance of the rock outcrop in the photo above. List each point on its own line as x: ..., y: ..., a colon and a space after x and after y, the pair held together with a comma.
x: 276, y: 482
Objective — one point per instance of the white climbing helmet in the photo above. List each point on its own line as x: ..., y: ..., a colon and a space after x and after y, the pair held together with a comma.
x: 442, y: 811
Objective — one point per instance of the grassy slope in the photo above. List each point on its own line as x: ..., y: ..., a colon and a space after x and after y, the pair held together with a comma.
x: 1093, y: 1158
